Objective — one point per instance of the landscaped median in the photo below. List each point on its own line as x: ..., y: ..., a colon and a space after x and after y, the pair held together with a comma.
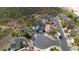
x: 54, y: 48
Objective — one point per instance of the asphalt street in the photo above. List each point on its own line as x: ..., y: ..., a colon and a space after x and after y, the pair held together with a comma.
x: 64, y: 44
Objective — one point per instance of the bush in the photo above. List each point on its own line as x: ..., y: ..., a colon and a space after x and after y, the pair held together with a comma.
x: 54, y: 49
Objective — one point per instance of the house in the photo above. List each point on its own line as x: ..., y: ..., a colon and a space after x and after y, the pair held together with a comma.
x: 17, y: 42
x: 39, y: 28
x: 48, y: 27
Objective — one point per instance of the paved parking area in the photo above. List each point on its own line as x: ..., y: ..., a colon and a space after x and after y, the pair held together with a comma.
x: 44, y: 42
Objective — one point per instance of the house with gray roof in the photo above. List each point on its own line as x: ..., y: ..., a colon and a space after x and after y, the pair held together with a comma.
x: 15, y: 44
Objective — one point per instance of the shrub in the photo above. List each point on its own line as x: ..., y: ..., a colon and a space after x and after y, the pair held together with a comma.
x: 54, y: 49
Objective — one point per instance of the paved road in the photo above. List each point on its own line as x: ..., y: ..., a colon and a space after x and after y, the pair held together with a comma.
x: 64, y: 44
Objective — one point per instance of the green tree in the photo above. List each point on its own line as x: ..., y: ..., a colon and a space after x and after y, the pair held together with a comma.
x: 15, y: 33
x: 52, y: 32
x: 63, y: 24
x: 76, y: 40
x: 27, y: 35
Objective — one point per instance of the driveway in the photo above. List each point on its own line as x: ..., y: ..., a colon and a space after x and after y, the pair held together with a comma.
x: 43, y: 42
